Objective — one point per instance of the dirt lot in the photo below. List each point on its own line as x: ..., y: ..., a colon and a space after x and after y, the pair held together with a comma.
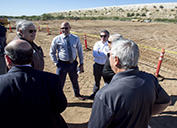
x: 147, y: 35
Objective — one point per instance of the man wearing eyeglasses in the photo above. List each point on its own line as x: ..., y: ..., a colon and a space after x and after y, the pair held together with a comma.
x: 66, y: 46
x: 100, y: 51
x: 26, y: 31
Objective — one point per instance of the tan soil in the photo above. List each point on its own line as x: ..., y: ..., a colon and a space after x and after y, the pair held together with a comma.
x: 153, y: 35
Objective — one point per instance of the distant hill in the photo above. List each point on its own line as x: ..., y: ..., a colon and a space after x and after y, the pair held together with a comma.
x: 152, y: 11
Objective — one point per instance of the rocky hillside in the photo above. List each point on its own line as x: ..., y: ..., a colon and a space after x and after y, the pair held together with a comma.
x: 152, y: 11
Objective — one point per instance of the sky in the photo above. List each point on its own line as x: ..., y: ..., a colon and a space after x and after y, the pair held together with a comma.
x: 39, y: 7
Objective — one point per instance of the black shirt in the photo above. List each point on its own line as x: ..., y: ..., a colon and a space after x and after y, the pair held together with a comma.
x: 107, y: 72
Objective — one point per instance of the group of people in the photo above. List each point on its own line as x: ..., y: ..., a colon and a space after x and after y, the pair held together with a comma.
x: 31, y: 97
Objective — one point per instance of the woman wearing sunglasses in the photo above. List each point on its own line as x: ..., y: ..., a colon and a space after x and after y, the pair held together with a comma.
x: 26, y: 30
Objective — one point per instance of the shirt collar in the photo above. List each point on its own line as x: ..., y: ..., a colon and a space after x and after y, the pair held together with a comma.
x: 106, y: 43
x: 28, y: 65
x: 66, y: 36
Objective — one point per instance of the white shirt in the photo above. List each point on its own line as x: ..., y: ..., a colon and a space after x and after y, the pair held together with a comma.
x: 100, y: 51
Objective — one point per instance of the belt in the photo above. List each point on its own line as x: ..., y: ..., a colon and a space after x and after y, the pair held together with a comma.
x: 68, y: 62
x: 99, y: 64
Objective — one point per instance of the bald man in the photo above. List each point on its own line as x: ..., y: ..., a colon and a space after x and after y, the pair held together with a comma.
x: 67, y: 46
x: 29, y: 98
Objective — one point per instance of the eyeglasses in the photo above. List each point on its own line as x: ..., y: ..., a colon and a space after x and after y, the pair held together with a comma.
x: 103, y: 36
x: 31, y: 31
x: 109, y: 42
x: 66, y: 28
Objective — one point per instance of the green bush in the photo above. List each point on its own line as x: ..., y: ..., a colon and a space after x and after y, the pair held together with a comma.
x: 166, y: 20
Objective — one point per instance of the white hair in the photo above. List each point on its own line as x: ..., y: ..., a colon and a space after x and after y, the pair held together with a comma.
x: 116, y: 37
x: 22, y: 25
x: 127, y: 51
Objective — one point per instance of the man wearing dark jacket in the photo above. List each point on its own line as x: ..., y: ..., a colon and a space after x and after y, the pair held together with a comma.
x: 26, y: 31
x: 29, y: 98
x: 132, y: 96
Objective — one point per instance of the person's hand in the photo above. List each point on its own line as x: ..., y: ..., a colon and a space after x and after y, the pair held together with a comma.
x: 81, y: 68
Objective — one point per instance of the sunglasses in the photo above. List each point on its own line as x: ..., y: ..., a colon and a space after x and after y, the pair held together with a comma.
x: 65, y: 28
x: 109, y: 42
x: 103, y: 36
x: 31, y: 31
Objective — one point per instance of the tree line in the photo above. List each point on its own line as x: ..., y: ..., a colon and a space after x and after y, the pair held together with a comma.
x: 45, y: 17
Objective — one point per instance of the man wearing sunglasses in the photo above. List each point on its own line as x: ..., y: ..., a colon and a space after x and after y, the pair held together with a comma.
x: 100, y: 51
x: 26, y: 30
x: 66, y: 46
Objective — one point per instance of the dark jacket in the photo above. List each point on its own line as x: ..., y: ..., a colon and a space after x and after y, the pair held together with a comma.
x: 31, y: 99
x: 107, y: 72
x: 128, y: 100
x: 3, y: 31
x: 38, y: 56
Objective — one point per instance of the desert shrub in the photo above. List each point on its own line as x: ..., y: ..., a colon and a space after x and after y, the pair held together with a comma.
x: 166, y: 20
x: 133, y: 14
x: 60, y: 17
x: 47, y: 17
x: 161, y: 7
x: 143, y: 14
x: 125, y: 19
x: 115, y: 18
x: 128, y: 15
x: 137, y: 14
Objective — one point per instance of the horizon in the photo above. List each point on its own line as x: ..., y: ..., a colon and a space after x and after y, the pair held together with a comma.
x: 31, y: 8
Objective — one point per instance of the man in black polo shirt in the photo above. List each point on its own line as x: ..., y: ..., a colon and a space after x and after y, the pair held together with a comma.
x: 132, y: 96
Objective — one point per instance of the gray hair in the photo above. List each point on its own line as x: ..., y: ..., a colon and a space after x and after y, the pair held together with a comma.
x: 127, y: 51
x: 115, y: 37
x: 22, y: 25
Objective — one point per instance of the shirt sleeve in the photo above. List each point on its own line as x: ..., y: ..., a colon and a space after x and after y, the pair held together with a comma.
x: 101, y: 114
x: 161, y: 95
x: 53, y: 49
x: 80, y: 51
x: 101, y: 54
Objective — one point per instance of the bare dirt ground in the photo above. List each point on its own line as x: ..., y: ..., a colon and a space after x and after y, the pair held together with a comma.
x: 146, y: 35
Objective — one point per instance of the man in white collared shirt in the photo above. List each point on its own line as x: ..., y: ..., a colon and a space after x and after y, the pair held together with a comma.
x: 100, y: 51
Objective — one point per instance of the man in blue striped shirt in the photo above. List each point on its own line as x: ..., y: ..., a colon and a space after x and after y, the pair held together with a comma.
x: 66, y: 46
